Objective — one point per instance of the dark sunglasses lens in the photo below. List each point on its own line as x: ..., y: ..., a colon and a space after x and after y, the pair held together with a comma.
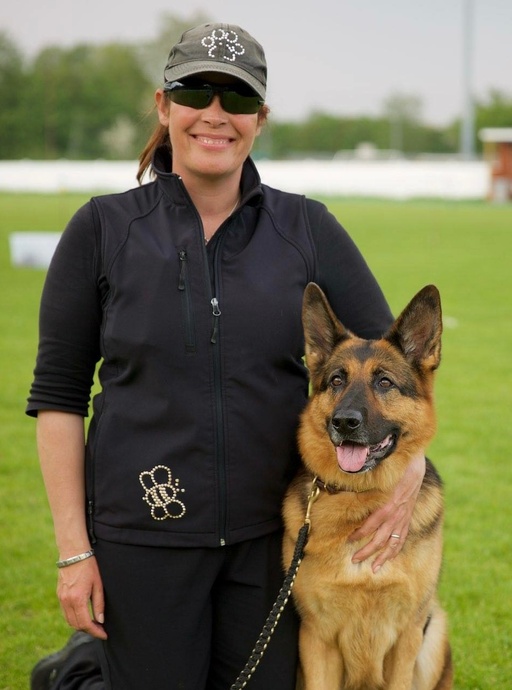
x: 240, y: 104
x: 199, y: 96
x: 192, y: 98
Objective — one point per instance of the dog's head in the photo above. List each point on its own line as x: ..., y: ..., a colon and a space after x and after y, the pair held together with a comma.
x: 371, y: 399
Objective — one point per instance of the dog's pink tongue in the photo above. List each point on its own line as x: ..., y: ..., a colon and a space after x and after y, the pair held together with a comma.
x: 351, y: 457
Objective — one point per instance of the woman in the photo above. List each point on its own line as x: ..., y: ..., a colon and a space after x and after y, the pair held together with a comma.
x: 189, y: 290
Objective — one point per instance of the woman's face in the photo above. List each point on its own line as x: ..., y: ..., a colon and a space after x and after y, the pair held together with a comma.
x: 208, y: 143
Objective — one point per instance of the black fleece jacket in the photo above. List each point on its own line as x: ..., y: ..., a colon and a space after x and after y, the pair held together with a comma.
x: 192, y: 439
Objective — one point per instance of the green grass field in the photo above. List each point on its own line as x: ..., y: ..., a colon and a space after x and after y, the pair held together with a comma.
x: 465, y: 249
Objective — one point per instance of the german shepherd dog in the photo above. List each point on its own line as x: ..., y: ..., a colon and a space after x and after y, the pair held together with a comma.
x: 371, y: 409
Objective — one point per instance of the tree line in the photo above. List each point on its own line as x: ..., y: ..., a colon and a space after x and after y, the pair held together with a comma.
x: 91, y: 101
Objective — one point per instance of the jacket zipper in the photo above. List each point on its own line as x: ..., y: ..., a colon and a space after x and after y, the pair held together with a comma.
x: 90, y: 521
x: 217, y: 380
x: 219, y: 408
x: 184, y: 288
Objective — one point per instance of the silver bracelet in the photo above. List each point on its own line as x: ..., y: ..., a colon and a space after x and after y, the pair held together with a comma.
x: 75, y: 559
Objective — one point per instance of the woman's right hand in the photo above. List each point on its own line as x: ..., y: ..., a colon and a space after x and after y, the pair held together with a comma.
x: 61, y: 446
x: 80, y: 592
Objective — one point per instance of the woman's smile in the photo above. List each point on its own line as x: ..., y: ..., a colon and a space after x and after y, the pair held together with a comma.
x: 212, y: 142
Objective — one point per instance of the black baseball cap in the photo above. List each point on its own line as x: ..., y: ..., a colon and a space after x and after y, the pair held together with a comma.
x: 224, y: 48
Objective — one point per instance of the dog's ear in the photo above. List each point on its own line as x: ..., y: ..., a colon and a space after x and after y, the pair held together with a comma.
x: 417, y: 331
x: 322, y: 330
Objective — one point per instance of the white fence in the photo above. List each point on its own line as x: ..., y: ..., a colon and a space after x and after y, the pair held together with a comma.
x: 394, y: 179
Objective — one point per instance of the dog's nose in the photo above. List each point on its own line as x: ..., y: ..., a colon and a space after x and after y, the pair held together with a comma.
x: 347, y: 420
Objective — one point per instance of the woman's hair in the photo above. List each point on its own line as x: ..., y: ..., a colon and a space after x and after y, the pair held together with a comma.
x: 160, y: 137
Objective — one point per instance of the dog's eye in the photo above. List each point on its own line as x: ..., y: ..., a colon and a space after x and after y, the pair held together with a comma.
x: 385, y: 383
x: 337, y: 380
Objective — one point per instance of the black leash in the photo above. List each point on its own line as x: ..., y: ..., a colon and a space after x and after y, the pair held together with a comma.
x: 282, y: 598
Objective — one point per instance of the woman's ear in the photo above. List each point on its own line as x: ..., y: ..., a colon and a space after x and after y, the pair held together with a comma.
x: 262, y: 118
x: 162, y: 106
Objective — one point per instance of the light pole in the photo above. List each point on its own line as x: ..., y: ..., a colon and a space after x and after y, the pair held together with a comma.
x: 467, y: 132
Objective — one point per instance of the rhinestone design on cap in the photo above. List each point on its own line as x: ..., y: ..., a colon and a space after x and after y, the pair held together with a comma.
x: 220, y: 37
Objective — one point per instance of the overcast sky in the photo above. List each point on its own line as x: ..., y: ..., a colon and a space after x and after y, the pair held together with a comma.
x: 338, y: 56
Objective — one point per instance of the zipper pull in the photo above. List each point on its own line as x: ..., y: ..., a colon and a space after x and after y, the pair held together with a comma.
x: 216, y: 312
x: 215, y: 306
x: 183, y: 267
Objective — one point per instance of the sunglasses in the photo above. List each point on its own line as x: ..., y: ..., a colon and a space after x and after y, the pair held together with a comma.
x: 236, y: 99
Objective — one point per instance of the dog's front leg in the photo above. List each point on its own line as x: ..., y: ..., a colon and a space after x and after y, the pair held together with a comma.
x: 402, y: 659
x: 321, y: 664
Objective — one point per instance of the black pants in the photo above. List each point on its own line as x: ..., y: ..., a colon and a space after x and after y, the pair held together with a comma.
x: 187, y: 619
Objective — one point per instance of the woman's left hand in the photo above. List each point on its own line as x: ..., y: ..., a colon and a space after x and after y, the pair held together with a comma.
x: 392, y: 519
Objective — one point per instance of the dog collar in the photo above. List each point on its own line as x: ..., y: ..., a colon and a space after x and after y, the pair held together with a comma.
x: 328, y: 488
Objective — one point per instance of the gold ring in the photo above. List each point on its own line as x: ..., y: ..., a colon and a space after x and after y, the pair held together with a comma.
x: 395, y: 536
